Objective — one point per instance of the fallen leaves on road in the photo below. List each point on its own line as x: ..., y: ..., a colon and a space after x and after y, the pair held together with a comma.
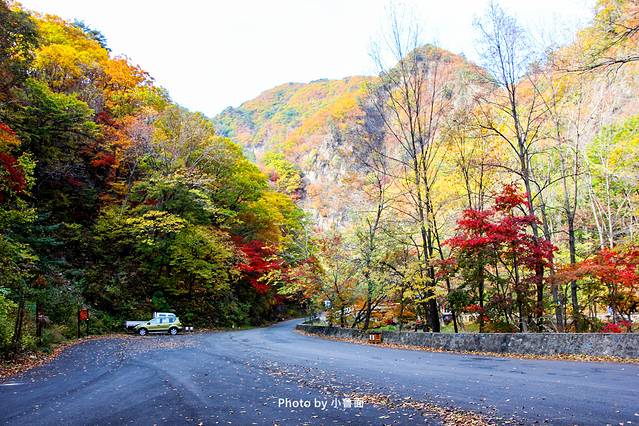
x: 448, y: 415
x: 132, y: 345
x: 554, y: 357
x: 135, y: 345
x: 32, y: 360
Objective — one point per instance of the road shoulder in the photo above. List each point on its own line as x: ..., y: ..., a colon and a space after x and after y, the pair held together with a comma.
x: 554, y: 357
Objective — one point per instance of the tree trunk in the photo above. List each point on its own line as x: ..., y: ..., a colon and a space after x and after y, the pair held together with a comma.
x: 16, y: 342
x: 455, y: 327
x: 539, y: 269
x: 576, y: 312
x: 481, y: 300
x: 369, y: 301
x: 401, y: 310
x: 39, y: 323
x: 570, y: 208
x: 523, y: 326
x: 557, y: 300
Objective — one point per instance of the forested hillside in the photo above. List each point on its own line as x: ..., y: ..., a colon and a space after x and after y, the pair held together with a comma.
x: 504, y: 191
x: 114, y: 198
x: 303, y: 135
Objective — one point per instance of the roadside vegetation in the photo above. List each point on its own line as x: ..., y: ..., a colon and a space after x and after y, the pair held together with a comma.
x: 491, y: 197
x: 115, y: 199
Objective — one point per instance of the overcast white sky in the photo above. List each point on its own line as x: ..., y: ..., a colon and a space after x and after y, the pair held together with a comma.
x: 211, y: 54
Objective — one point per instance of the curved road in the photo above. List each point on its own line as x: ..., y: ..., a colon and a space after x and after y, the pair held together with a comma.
x: 253, y: 377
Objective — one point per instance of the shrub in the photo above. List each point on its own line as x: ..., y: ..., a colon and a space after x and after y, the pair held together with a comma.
x: 612, y: 328
x: 6, y: 330
x: 53, y: 335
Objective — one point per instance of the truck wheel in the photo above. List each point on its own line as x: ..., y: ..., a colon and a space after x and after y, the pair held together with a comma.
x: 142, y: 332
x: 173, y: 331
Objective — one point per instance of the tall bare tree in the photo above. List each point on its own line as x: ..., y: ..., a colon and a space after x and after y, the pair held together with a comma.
x: 370, y: 224
x: 411, y: 98
x: 515, y: 111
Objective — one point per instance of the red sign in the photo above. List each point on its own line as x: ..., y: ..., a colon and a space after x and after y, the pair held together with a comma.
x: 84, y: 314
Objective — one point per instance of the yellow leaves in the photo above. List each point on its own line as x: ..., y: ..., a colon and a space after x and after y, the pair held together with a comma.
x: 614, y: 151
x: 154, y: 224
x: 69, y: 58
x: 120, y: 75
x: 66, y: 54
x: 59, y: 64
x: 272, y: 216
x: 322, y: 93
x: 611, y: 39
x: 54, y: 30
x: 337, y: 112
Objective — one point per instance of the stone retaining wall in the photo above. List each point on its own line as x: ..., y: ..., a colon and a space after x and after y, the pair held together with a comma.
x: 624, y: 345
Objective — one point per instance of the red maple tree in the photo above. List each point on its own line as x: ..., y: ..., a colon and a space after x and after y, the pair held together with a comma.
x: 499, y: 235
x: 13, y: 179
x: 260, y: 259
x: 618, y: 270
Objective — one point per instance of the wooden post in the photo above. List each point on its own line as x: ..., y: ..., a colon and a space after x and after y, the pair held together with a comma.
x: 39, y: 323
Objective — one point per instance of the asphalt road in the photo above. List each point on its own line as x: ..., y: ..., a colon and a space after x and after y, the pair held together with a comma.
x: 245, y: 377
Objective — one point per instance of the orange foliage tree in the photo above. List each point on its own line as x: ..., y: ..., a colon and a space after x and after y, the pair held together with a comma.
x: 616, y: 270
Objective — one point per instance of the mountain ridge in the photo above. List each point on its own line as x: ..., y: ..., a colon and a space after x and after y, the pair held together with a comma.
x: 313, y: 127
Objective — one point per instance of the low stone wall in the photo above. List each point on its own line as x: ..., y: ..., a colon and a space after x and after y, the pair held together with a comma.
x: 623, y: 345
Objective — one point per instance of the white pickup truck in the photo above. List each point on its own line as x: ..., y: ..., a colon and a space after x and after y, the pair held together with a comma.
x: 169, y: 320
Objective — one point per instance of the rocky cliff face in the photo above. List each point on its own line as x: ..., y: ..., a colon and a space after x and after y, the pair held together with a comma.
x: 316, y: 127
x: 312, y: 125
